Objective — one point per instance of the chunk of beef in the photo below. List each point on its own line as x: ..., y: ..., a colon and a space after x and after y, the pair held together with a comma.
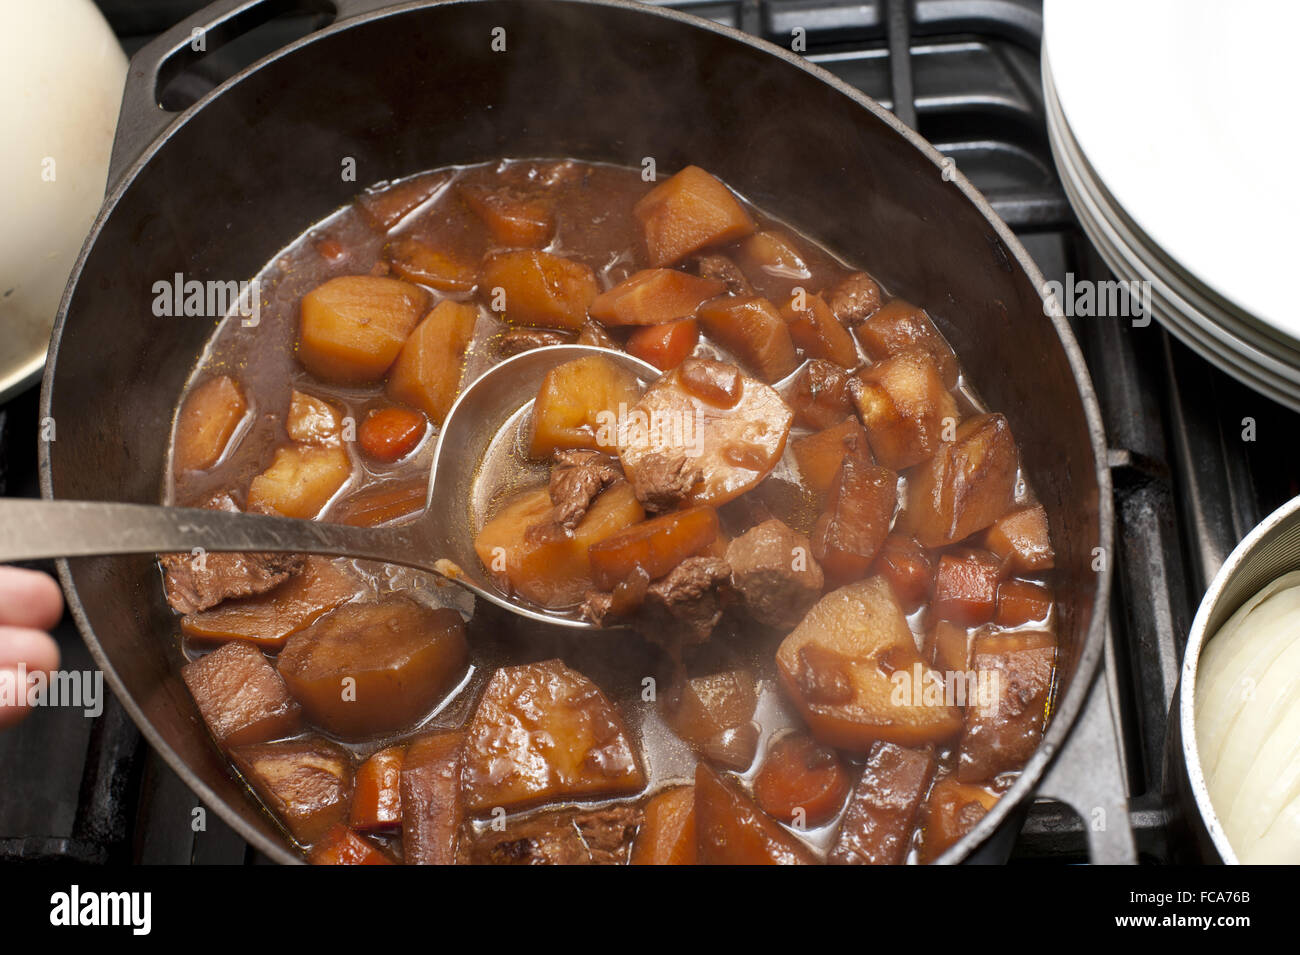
x: 690, y: 595
x: 662, y: 479
x: 678, y: 609
x: 854, y: 299
x: 593, y: 333
x: 625, y: 600
x: 196, y: 582
x: 600, y: 837
x: 597, y: 606
x: 714, y: 266
x: 576, y: 478
x: 519, y: 340
x: 773, y: 569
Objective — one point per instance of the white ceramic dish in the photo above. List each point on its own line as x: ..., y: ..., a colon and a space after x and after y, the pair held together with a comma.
x: 1266, y: 368
x: 61, y: 77
x: 1182, y: 108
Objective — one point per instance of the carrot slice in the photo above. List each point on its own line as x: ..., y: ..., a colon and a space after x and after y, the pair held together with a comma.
x: 390, y: 434
x: 801, y: 781
x: 665, y: 346
x: 656, y: 546
x: 377, y: 793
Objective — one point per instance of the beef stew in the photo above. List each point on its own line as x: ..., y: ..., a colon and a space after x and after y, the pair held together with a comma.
x: 831, y: 577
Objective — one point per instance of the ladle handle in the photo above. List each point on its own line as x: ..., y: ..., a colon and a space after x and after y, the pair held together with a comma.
x: 36, y: 530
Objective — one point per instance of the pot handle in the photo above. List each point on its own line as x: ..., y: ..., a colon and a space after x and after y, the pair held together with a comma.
x: 1088, y: 776
x: 141, y: 120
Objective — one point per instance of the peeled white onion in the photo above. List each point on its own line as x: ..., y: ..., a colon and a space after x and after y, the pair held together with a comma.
x: 1248, y: 724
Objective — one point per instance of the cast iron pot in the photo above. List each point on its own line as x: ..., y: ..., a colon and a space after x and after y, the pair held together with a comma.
x: 215, y: 191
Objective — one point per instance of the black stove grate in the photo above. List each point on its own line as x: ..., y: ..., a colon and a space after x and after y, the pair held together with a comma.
x: 965, y: 73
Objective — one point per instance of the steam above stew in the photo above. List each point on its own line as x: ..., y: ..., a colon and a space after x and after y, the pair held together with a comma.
x: 831, y: 579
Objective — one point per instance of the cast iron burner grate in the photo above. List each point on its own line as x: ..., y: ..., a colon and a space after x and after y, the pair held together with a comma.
x: 965, y: 73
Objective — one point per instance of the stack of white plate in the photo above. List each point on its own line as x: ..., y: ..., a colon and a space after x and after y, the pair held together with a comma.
x: 1173, y: 124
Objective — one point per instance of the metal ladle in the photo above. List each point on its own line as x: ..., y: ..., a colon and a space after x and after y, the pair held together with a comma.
x: 478, y: 430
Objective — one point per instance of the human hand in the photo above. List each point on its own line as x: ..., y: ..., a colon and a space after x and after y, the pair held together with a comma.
x: 30, y: 605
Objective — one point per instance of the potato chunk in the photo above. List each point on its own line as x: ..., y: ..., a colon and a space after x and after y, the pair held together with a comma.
x: 543, y: 732
x: 688, y: 212
x: 820, y: 455
x: 733, y: 448
x: 369, y: 669
x: 654, y: 296
x: 751, y: 329
x: 877, y: 826
x: 655, y: 546
x: 901, y: 326
x: 859, y: 509
x: 428, y: 369
x: 715, y: 714
x: 211, y: 415
x: 306, y: 783
x: 905, y: 407
x: 730, y: 829
x: 1020, y: 537
x: 353, y: 326
x: 313, y: 420
x: 387, y: 205
x: 269, y: 619
x: 301, y: 480
x: 965, y: 486
x: 815, y: 329
x: 578, y: 405
x: 1005, y: 724
x: 551, y: 570
x: 838, y: 667
x: 772, y: 262
x: 425, y: 264
x: 432, y: 806
x: 953, y: 809
x: 240, y: 696
x: 514, y: 217
x: 541, y: 290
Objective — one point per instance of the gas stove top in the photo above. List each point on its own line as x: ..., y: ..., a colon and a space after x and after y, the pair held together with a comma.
x: 1196, y: 458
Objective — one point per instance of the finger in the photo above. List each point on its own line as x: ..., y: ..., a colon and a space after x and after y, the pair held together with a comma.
x: 33, y: 650
x: 29, y: 598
